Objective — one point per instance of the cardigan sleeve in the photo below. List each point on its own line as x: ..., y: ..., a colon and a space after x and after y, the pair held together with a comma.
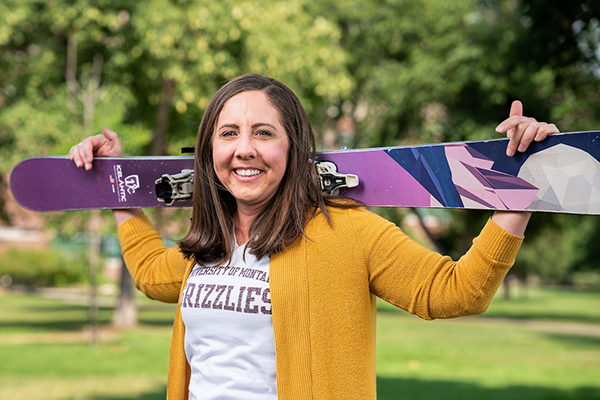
x: 430, y: 285
x: 157, y: 271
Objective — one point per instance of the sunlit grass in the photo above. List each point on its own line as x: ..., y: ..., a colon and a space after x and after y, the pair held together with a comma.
x: 556, y: 303
x: 543, y: 344
x: 529, y: 348
x: 484, y: 357
x: 45, y: 351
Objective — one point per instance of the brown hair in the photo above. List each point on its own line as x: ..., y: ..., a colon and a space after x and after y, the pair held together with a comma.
x: 210, y: 237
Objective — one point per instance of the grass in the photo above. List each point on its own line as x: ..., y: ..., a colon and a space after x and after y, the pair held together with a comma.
x: 476, y: 358
x: 561, y: 304
x: 45, y: 351
x: 555, y: 303
x: 544, y: 346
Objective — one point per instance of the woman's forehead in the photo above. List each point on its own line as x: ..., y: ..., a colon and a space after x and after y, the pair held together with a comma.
x: 249, y: 108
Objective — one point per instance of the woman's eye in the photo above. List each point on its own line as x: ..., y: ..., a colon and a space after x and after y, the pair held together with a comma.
x: 264, y: 133
x: 229, y: 133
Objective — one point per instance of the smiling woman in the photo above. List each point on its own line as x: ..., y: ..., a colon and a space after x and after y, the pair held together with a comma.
x: 250, y: 152
x: 276, y: 283
x: 253, y: 123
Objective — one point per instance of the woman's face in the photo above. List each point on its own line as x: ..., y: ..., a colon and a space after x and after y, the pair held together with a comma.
x: 250, y: 149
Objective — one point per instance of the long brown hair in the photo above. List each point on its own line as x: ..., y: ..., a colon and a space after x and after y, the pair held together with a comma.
x: 210, y: 237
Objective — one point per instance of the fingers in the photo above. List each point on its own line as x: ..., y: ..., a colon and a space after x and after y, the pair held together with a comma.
x: 83, y: 153
x: 523, y: 135
x: 109, y: 135
x: 522, y: 131
x: 107, y: 144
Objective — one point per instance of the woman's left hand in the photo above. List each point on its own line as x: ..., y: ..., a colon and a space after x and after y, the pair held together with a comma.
x: 523, y: 130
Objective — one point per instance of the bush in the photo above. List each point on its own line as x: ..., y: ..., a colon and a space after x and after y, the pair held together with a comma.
x: 41, y: 268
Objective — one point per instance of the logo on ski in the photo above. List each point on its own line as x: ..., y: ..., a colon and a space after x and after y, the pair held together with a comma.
x: 132, y: 182
x: 124, y: 185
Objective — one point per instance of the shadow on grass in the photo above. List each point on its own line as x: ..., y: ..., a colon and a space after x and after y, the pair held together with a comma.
x: 156, y: 395
x: 585, y: 341
x: 514, y: 315
x: 74, y: 325
x: 536, y: 315
x: 48, y: 326
x: 416, y: 389
x: 47, y: 315
x: 155, y: 323
x: 58, y: 318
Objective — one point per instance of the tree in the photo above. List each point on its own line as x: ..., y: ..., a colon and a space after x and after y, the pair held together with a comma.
x: 379, y: 72
x: 432, y: 71
x: 162, y: 59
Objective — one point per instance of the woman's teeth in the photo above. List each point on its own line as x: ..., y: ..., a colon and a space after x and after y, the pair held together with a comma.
x: 247, y: 172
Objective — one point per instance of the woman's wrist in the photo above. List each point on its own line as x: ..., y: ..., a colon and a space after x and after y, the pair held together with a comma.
x: 514, y: 222
x: 122, y: 215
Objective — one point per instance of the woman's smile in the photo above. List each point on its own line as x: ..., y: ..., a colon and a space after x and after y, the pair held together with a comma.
x: 247, y: 172
x: 250, y: 149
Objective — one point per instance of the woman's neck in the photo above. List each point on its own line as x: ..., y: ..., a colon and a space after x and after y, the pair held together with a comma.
x: 243, y: 220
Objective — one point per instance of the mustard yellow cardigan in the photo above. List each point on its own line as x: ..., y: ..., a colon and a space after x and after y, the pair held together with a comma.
x: 323, y: 290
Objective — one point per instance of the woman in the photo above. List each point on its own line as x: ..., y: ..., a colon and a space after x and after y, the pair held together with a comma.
x: 276, y: 284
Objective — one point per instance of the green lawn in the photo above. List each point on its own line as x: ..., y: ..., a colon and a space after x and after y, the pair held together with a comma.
x: 545, y: 346
x: 45, y: 351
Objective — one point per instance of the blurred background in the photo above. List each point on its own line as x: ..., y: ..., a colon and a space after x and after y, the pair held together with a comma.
x: 369, y: 73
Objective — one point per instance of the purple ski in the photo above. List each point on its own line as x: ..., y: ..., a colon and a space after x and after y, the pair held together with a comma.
x: 560, y: 174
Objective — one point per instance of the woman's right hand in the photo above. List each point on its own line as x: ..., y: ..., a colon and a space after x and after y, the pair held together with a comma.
x: 105, y: 145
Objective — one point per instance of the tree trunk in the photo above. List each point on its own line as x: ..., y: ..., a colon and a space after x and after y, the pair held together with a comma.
x: 94, y: 261
x: 161, y: 123
x: 439, y: 247
x: 506, y: 286
x: 125, y: 315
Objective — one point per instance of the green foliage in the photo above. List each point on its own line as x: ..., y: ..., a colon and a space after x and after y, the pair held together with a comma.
x: 403, y: 71
x: 586, y: 280
x: 432, y: 70
x: 191, y: 48
x: 549, y: 254
x: 559, y: 246
x: 41, y: 268
x: 559, y: 33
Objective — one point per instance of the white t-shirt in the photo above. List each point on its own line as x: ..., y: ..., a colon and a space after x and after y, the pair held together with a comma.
x: 229, y: 340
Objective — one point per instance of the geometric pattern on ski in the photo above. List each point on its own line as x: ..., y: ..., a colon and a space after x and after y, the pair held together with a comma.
x: 382, y: 180
x: 459, y: 176
x: 482, y: 187
x: 567, y: 178
x: 428, y: 165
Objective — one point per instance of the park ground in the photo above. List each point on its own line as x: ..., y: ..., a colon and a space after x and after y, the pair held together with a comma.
x: 542, y: 345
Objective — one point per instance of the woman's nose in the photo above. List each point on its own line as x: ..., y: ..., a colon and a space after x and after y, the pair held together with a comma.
x: 245, y: 147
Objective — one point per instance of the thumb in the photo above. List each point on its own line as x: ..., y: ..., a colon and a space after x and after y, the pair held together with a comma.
x: 108, y: 134
x: 111, y: 145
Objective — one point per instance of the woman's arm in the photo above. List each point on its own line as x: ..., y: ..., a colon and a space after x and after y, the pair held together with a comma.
x: 156, y: 270
x: 521, y: 131
x: 105, y: 145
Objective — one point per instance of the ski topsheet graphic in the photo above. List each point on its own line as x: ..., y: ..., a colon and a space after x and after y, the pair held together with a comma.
x: 560, y: 174
x: 54, y: 183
